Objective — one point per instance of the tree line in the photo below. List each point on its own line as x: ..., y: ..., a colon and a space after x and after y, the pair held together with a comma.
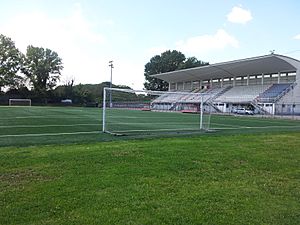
x: 35, y: 74
x: 38, y: 68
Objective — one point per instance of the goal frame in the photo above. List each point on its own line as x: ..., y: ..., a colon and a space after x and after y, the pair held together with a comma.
x: 19, y: 100
x: 106, y: 89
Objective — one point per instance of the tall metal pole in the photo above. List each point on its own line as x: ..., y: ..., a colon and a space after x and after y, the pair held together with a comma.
x: 111, y: 65
x: 104, y: 110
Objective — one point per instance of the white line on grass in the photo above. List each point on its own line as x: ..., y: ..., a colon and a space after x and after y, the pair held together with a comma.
x: 50, y: 117
x: 49, y: 125
x: 266, y: 127
x: 53, y: 108
x: 193, y: 129
x: 227, y: 125
x: 142, y: 123
x: 123, y: 131
x: 49, y: 134
x: 146, y: 117
x: 258, y: 119
x: 163, y: 129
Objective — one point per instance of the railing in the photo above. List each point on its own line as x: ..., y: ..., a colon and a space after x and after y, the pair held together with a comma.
x: 211, y: 99
x: 258, y: 107
x: 212, y: 105
x: 285, y: 91
x: 279, y: 96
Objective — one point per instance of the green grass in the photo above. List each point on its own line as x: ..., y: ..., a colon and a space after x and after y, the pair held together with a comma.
x: 23, y: 126
x: 240, y: 179
x: 56, y: 167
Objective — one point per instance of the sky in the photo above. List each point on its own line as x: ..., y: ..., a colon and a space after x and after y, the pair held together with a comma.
x: 87, y: 34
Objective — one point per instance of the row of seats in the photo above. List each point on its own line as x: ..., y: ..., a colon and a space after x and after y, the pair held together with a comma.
x: 167, y: 98
x: 191, y: 97
x: 236, y: 94
x: 242, y: 93
x: 274, y: 91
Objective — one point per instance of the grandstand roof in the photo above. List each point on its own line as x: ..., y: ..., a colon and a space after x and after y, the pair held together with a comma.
x: 266, y: 64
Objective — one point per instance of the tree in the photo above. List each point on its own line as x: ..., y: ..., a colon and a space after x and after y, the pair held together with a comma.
x: 69, y: 87
x: 84, y: 94
x: 166, y: 62
x: 192, y: 62
x: 43, y: 69
x: 10, y: 63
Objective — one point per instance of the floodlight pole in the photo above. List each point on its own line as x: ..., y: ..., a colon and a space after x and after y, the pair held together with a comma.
x: 103, y: 110
x: 111, y: 65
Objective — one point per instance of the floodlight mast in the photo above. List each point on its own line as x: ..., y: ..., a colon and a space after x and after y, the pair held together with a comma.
x: 111, y: 65
x: 104, y: 110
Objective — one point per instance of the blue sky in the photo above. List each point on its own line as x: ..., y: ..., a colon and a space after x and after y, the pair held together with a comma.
x: 87, y: 34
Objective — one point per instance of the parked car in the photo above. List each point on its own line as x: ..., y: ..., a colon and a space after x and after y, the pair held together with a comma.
x: 243, y: 111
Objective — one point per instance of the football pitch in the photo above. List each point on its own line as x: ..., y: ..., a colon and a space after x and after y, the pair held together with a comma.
x: 59, y: 125
x: 57, y: 167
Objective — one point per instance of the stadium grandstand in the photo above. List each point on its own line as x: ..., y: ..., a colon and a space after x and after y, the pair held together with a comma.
x: 265, y: 84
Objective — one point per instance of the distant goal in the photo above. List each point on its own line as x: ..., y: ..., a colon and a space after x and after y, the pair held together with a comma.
x: 19, y: 102
x: 142, y: 111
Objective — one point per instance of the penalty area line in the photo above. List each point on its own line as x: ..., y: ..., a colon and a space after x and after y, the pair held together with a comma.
x: 49, y: 134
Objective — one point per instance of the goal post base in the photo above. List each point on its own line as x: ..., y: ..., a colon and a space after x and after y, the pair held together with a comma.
x: 113, y: 133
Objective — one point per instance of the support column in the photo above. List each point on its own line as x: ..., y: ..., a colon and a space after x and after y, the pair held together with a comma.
x: 278, y: 81
x: 248, y: 80
x: 234, y: 79
x: 262, y: 79
x: 222, y: 82
x: 176, y: 86
x: 169, y: 86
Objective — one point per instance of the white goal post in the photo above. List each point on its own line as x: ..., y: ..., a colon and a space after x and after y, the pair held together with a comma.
x: 19, y: 102
x: 126, y: 110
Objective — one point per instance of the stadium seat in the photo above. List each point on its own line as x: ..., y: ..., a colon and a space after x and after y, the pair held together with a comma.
x: 239, y: 94
x: 273, y: 92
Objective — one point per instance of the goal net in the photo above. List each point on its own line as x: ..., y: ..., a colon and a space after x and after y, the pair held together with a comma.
x: 19, y: 102
x: 141, y: 111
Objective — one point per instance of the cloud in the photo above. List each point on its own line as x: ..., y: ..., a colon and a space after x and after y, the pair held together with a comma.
x: 156, y: 51
x: 206, y: 43
x: 129, y: 72
x: 297, y: 37
x: 77, y: 24
x: 239, y: 15
x: 39, y: 29
x: 73, y: 37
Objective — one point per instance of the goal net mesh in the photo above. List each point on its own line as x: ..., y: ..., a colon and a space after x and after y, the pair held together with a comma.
x: 136, y: 111
x: 19, y: 102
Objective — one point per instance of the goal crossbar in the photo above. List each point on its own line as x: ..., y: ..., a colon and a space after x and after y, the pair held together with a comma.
x: 19, y: 100
x: 153, y: 92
